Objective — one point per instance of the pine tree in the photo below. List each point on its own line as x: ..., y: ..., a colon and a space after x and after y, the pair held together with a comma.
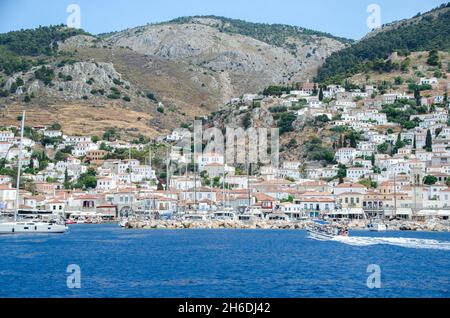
x: 429, y: 142
x: 66, y: 180
x: 353, y: 143
x: 321, y: 94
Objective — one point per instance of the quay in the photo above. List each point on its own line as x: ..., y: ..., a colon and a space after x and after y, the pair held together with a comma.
x: 432, y: 226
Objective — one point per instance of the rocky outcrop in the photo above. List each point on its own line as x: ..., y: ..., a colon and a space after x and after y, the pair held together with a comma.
x: 75, y: 81
x: 250, y: 64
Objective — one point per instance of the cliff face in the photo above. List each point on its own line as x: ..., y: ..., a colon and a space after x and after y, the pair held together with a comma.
x: 239, y: 63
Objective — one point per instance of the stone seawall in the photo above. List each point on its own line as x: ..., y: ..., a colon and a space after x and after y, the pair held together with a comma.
x: 442, y: 226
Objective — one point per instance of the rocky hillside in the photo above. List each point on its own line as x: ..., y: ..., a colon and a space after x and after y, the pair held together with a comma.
x: 424, y: 32
x: 234, y: 59
x: 161, y: 74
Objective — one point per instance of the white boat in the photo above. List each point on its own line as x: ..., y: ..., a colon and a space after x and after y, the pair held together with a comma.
x: 321, y: 230
x: 196, y: 216
x: 377, y: 227
x: 224, y: 215
x: 31, y: 227
x: 27, y: 226
x: 252, y: 214
x: 123, y: 222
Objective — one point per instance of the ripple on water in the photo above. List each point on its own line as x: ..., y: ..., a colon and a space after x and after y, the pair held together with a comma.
x: 116, y: 262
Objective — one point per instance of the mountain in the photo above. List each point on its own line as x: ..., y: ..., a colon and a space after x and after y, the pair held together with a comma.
x: 424, y: 32
x: 152, y: 78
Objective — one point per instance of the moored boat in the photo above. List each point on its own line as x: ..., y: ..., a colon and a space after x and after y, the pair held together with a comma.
x: 377, y: 226
x: 31, y: 227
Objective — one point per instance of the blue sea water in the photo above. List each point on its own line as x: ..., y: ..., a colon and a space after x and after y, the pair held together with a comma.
x: 115, y: 262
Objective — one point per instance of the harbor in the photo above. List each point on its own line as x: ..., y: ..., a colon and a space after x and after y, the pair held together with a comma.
x: 115, y: 262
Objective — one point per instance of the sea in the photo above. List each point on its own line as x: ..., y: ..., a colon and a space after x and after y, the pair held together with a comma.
x: 96, y: 261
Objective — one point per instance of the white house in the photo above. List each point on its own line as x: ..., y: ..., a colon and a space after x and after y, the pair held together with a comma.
x: 346, y: 155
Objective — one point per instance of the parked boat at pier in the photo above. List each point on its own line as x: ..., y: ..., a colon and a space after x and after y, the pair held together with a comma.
x: 31, y: 227
x: 377, y: 226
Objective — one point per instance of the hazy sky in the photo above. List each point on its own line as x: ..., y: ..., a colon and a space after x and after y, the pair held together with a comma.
x: 340, y: 17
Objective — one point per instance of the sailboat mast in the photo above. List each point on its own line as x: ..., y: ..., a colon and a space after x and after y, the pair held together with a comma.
x: 19, y: 166
x: 395, y: 195
x: 195, y: 185
x: 130, y: 194
x: 249, y: 171
x: 223, y: 188
x: 167, y: 168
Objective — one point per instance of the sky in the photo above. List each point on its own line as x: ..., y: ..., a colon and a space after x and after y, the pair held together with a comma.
x: 346, y: 18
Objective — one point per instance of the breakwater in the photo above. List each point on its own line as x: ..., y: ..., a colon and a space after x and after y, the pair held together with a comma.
x: 396, y: 225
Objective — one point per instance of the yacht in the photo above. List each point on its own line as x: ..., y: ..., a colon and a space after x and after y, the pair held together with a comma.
x: 226, y: 214
x: 322, y: 230
x: 377, y: 226
x: 252, y: 214
x: 31, y: 227
x: 195, y: 216
x: 28, y: 226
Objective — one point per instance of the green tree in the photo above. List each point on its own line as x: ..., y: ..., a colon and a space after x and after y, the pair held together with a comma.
x: 321, y: 94
x: 285, y: 122
x: 383, y: 148
x: 95, y: 139
x: 429, y: 142
x: 66, y: 180
x: 342, y: 173
x: 398, y: 144
x: 110, y: 134
x: 433, y: 58
x: 430, y: 180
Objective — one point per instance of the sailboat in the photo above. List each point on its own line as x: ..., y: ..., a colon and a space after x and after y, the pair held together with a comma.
x: 27, y: 226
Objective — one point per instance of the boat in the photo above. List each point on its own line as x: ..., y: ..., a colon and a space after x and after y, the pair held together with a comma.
x: 28, y: 226
x: 226, y: 214
x: 123, y: 222
x: 322, y: 230
x: 195, y: 216
x: 377, y: 226
x: 252, y: 214
x: 31, y: 227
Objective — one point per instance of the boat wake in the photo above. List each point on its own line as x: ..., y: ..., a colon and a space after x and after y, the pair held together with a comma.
x: 395, y: 241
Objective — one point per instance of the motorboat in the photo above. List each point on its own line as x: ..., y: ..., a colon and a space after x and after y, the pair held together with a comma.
x: 377, y: 226
x: 195, y: 216
x: 71, y: 221
x: 252, y: 214
x: 224, y: 215
x: 322, y: 230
